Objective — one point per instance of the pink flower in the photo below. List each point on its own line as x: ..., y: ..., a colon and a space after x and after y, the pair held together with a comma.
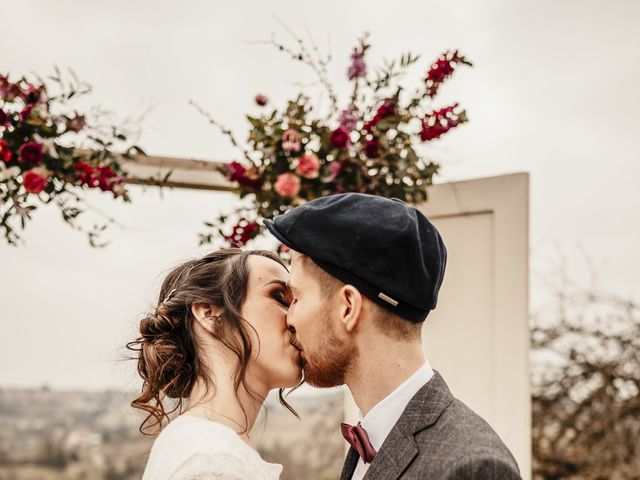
x: 34, y: 181
x: 339, y: 137
x: 282, y: 248
x: 291, y: 141
x: 357, y: 68
x: 261, y: 100
x: 287, y: 185
x: 31, y: 154
x: 349, y: 118
x: 5, y: 152
x: 335, y: 168
x: 308, y: 166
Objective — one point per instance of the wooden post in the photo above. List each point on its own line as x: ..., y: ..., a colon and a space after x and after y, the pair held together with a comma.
x: 183, y: 173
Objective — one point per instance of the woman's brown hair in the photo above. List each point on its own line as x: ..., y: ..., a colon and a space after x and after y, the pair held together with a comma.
x: 167, y: 351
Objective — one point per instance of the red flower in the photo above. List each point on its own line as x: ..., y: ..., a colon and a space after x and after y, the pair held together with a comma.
x: 389, y: 108
x: 372, y: 148
x: 339, y: 137
x: 34, y: 182
x: 261, y: 100
x: 5, y: 152
x: 31, y: 154
x: 236, y: 172
x: 103, y: 177
x: 439, y: 122
x: 442, y: 69
x: 242, y: 233
x: 84, y: 172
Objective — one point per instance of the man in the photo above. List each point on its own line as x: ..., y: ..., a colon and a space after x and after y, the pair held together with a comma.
x: 365, y: 273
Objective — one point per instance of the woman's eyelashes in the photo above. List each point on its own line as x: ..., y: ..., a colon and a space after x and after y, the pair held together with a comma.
x: 282, y: 298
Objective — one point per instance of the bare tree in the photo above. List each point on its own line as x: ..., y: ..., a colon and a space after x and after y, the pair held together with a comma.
x: 586, y: 387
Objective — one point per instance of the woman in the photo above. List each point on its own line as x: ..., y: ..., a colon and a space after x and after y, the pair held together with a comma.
x: 218, y: 339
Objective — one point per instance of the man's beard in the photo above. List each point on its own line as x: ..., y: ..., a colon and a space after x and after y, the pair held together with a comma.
x: 328, y: 365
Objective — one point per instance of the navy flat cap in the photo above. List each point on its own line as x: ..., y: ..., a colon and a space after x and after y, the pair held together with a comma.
x: 384, y: 247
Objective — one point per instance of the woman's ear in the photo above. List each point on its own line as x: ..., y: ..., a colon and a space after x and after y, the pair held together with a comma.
x: 350, y: 300
x: 206, y: 315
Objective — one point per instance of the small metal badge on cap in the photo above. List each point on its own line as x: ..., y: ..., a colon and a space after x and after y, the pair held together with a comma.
x: 388, y: 299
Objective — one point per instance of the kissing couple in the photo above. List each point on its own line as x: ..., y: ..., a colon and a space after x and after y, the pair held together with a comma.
x: 235, y: 324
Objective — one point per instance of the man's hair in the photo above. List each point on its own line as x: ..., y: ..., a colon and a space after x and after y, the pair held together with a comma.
x: 387, y: 322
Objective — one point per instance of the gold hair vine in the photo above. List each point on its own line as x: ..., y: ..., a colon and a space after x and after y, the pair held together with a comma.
x: 166, y: 299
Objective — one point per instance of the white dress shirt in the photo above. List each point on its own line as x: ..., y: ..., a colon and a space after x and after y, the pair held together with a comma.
x: 385, y: 414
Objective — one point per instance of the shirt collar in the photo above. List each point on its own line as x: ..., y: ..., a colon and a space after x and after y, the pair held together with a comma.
x: 385, y: 414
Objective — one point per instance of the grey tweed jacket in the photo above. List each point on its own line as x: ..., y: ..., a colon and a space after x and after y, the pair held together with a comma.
x: 438, y: 437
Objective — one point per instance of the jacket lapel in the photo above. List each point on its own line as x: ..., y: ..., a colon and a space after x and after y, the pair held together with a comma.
x: 399, y: 448
x: 350, y: 464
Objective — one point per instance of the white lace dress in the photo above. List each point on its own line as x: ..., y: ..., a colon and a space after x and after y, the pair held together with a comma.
x: 193, y: 448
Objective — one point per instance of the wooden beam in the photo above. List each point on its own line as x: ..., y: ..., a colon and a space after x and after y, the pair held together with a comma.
x: 185, y: 172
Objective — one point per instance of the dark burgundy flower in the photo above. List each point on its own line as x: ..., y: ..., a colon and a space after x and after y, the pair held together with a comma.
x: 4, y: 118
x: 5, y: 152
x: 439, y: 122
x: 339, y: 137
x: 32, y: 94
x: 372, y: 148
x: 442, y: 69
x: 242, y: 232
x: 30, y: 154
x: 261, y: 100
x: 34, y: 182
x: 389, y: 108
x: 26, y: 113
x: 236, y: 172
x: 9, y: 91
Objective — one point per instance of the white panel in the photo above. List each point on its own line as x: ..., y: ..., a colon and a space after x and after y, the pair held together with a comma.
x: 458, y: 335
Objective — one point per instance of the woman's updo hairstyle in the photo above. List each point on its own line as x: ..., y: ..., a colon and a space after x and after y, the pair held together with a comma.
x: 167, y: 352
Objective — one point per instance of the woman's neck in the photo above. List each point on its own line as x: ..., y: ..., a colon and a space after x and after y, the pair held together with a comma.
x: 222, y: 404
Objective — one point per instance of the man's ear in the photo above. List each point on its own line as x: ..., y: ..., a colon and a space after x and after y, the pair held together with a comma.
x: 206, y: 315
x: 350, y: 305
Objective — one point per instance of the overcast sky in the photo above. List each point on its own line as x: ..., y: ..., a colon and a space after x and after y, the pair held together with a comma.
x: 554, y: 92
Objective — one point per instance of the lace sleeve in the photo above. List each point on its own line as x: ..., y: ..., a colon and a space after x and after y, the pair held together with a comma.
x: 218, y: 466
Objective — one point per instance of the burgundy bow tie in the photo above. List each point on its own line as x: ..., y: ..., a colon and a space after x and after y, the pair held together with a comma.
x: 358, y: 438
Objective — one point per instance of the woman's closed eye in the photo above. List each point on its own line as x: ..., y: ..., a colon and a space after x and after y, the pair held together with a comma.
x: 282, y: 298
